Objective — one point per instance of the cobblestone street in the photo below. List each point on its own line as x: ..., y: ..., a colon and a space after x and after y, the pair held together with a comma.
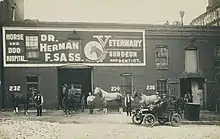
x: 97, y: 126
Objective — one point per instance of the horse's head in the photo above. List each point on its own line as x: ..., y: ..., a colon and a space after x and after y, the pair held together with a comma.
x: 93, y: 49
x: 137, y: 94
x: 97, y: 91
x: 31, y: 93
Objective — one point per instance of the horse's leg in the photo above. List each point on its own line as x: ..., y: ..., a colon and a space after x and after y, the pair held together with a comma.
x: 65, y: 108
x: 120, y: 105
x: 105, y: 107
x: 16, y: 109
x: 69, y: 108
x: 13, y: 105
x: 26, y: 107
x: 16, y: 106
x: 73, y: 107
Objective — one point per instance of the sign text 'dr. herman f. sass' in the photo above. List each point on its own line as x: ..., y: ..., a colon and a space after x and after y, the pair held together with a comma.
x: 33, y: 47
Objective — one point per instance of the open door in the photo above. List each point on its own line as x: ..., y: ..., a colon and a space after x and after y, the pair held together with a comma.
x: 173, y: 87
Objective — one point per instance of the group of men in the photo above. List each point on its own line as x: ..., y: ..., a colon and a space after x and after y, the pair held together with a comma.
x: 38, y: 99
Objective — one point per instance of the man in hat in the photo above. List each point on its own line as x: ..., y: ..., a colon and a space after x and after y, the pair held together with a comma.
x: 64, y: 90
x: 39, y: 102
x: 158, y: 98
x: 128, y: 100
x: 90, y: 102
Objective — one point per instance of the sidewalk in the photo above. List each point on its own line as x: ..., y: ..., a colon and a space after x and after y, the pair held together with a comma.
x: 206, y: 117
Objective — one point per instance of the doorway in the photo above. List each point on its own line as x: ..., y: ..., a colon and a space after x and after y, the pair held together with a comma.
x: 81, y: 78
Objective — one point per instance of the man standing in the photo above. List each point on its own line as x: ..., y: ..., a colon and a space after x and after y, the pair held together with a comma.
x: 64, y: 89
x: 83, y: 103
x: 128, y: 100
x: 90, y: 102
x: 39, y: 102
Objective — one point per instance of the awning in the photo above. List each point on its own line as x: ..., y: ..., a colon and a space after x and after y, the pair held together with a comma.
x: 75, y: 66
x: 192, y: 75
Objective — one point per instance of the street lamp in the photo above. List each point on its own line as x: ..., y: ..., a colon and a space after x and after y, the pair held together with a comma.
x: 182, y: 13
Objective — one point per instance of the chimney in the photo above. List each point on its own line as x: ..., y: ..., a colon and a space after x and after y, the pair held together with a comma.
x: 191, y: 57
x: 210, y: 4
x: 13, y: 13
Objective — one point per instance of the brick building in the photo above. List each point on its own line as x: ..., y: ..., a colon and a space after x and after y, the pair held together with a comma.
x: 116, y: 57
x: 10, y: 10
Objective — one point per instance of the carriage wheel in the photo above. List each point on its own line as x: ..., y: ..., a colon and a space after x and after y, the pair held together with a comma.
x: 136, y: 119
x: 175, y: 120
x: 149, y: 120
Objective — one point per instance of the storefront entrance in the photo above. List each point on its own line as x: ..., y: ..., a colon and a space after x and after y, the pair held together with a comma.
x: 80, y: 78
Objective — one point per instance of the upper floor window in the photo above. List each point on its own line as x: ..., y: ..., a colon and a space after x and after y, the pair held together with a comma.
x: 217, y: 57
x: 126, y: 83
x: 32, y: 82
x: 32, y: 47
x: 161, y: 57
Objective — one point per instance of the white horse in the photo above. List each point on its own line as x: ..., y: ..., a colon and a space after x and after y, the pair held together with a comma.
x: 147, y: 100
x: 107, y: 97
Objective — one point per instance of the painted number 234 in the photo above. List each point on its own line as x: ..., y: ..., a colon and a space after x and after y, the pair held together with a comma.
x: 115, y: 88
x: 13, y: 88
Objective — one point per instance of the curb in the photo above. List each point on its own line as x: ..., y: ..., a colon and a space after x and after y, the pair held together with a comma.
x: 200, y: 123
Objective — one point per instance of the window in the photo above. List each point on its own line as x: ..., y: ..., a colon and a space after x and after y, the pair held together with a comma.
x: 217, y: 57
x: 32, y: 82
x: 161, y: 57
x: 32, y: 47
x: 162, y: 86
x: 126, y: 83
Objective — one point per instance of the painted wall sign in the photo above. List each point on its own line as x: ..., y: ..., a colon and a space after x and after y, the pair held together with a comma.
x: 115, y: 89
x: 14, y: 88
x: 150, y: 87
x: 34, y: 47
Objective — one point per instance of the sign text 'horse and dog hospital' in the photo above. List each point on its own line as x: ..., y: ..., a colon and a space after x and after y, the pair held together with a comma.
x: 28, y: 46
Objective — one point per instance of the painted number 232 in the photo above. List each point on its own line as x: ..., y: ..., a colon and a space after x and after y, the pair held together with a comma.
x: 115, y: 88
x: 13, y: 88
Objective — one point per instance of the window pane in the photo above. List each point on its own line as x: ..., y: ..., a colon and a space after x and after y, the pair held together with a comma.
x: 32, y: 54
x: 217, y: 63
x: 32, y: 79
x: 161, y: 86
x: 30, y: 86
x: 126, y: 83
x: 126, y: 79
x: 161, y: 57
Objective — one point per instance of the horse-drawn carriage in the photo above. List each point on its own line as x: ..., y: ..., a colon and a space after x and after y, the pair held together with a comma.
x: 163, y: 111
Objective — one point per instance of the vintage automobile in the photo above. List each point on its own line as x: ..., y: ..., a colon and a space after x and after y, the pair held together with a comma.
x: 163, y: 112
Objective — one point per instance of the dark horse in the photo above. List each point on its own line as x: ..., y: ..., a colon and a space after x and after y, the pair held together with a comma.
x: 68, y: 100
x: 18, y: 99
